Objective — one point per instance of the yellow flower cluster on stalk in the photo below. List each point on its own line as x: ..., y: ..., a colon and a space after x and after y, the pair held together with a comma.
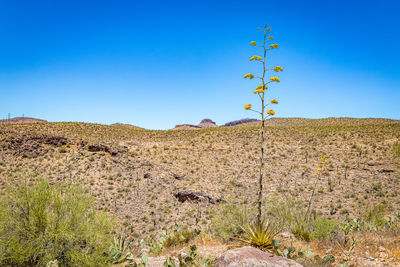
x: 322, y: 166
x: 249, y: 75
x: 260, y: 90
x: 262, y: 87
x: 266, y: 45
x: 275, y: 79
x: 247, y: 107
x: 255, y: 58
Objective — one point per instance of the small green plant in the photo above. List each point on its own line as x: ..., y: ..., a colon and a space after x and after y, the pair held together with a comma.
x: 396, y: 149
x: 144, y: 259
x: 303, y: 255
x: 177, y: 236
x: 119, y: 250
x: 259, y: 234
x: 190, y: 260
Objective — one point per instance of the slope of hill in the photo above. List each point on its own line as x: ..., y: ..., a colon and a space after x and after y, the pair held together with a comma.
x: 320, y: 122
x: 21, y: 120
x: 143, y: 176
x: 125, y: 125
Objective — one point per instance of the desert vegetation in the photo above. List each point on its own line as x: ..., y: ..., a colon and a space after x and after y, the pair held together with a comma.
x: 135, y: 175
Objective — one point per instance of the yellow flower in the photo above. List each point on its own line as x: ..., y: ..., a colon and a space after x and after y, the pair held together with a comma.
x: 275, y: 79
x: 271, y: 112
x: 258, y: 91
x: 322, y: 162
x: 273, y: 101
x: 248, y: 106
x: 319, y: 170
x: 274, y: 46
x: 255, y: 58
x: 324, y: 156
x: 278, y: 69
x: 253, y: 43
x: 319, y: 165
x: 249, y: 75
x: 270, y: 37
x: 261, y: 87
x: 316, y: 174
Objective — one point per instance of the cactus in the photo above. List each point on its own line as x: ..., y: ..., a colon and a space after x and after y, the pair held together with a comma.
x: 145, y: 259
x: 118, y: 250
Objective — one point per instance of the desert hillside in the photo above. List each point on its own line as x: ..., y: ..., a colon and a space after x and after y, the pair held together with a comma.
x: 21, y: 120
x: 138, y: 174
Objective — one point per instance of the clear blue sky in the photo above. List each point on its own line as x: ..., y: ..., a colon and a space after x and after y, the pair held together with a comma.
x: 159, y: 63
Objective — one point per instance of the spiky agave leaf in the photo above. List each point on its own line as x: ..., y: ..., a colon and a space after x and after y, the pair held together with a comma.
x: 259, y: 235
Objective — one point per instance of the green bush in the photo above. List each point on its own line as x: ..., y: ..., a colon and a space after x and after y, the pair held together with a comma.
x: 396, y: 149
x: 289, y: 214
x: 324, y: 228
x: 374, y: 219
x: 43, y: 223
x: 227, y: 221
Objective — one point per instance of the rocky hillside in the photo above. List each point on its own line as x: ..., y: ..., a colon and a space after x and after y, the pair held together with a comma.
x: 320, y: 122
x: 154, y: 179
x: 124, y: 125
x: 21, y: 120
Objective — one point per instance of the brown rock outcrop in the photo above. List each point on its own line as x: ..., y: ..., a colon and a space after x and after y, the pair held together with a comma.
x: 252, y: 257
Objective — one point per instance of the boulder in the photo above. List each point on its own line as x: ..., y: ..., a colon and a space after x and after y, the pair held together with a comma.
x: 104, y: 148
x: 197, y: 197
x: 252, y: 257
x: 385, y: 170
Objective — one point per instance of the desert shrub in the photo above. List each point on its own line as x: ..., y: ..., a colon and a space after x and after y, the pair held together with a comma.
x: 289, y: 214
x: 396, y: 149
x: 42, y: 223
x: 374, y: 219
x: 176, y: 237
x: 376, y: 216
x: 227, y: 221
x: 179, y: 236
x: 324, y: 228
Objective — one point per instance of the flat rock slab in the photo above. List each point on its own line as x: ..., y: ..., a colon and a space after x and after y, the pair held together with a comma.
x: 252, y: 257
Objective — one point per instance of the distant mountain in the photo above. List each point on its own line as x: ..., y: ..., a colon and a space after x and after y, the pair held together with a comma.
x: 237, y: 122
x: 21, y: 120
x: 206, y: 123
x: 125, y: 125
x: 319, y: 122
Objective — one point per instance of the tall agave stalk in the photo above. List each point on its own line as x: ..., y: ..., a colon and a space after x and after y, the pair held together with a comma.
x: 260, y: 91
